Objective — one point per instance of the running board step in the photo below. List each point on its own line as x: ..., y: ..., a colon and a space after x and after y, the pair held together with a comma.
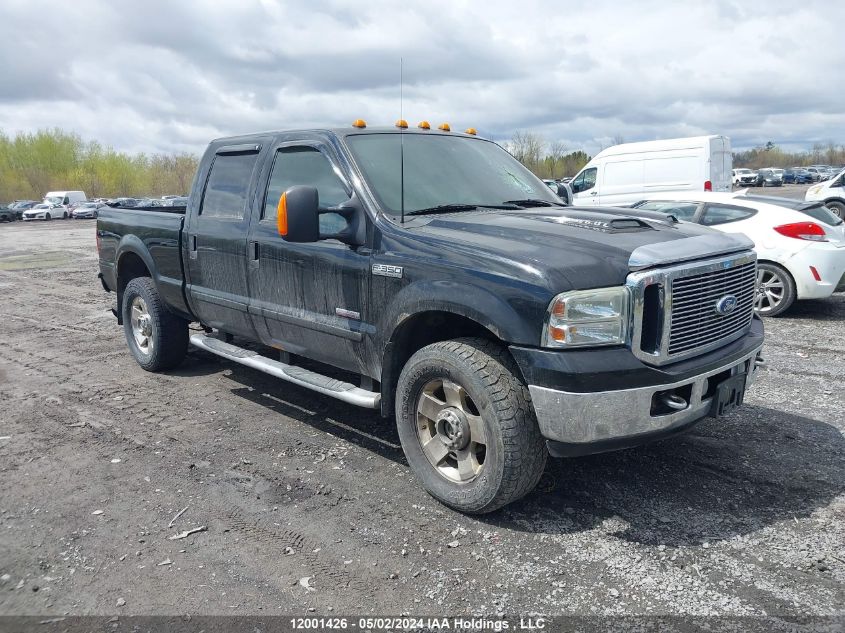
x: 297, y: 375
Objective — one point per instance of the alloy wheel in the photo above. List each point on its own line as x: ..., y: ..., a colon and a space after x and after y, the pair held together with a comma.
x: 451, y: 431
x: 142, y: 325
x: 769, y: 292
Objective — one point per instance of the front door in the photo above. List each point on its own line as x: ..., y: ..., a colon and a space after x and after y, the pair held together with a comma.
x: 309, y: 299
x: 584, y: 188
x: 217, y: 243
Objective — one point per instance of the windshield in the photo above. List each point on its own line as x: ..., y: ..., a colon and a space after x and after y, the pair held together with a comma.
x: 443, y: 170
x: 53, y: 200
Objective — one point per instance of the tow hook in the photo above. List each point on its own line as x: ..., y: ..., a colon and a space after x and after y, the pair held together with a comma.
x: 760, y: 362
x: 673, y: 401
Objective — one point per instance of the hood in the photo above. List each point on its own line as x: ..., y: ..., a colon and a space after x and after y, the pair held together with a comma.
x: 572, y: 248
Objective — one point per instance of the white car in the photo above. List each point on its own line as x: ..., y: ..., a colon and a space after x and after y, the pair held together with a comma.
x: 45, y: 212
x: 743, y: 176
x: 800, y: 245
x: 831, y: 192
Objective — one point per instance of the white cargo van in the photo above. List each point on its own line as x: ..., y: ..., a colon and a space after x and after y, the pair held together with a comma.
x: 64, y: 198
x: 631, y: 172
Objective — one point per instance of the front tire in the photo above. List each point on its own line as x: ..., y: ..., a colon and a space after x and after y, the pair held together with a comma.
x: 157, y: 338
x: 467, y: 425
x: 48, y: 217
x: 775, y: 290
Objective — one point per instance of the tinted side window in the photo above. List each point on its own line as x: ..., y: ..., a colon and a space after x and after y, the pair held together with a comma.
x: 304, y: 166
x: 227, y: 187
x: 585, y: 181
x: 716, y: 214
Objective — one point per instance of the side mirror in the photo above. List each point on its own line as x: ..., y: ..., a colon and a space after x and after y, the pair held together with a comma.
x: 297, y: 216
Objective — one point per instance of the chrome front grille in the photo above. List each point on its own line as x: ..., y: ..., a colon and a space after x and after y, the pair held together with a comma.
x: 694, y: 320
x: 675, y: 313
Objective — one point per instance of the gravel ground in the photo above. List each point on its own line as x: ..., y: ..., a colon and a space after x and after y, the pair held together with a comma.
x: 308, y: 503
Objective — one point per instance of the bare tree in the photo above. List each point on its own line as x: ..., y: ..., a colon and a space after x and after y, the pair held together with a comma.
x: 556, y: 152
x: 527, y: 148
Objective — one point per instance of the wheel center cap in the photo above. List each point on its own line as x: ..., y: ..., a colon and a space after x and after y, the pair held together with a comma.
x: 452, y: 428
x: 144, y: 323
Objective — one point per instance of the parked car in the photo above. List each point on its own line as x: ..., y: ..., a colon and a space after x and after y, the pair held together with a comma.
x: 495, y: 324
x: 45, y: 212
x: 800, y: 246
x: 622, y: 174
x: 831, y: 192
x: 7, y: 214
x: 743, y: 176
x: 22, y: 205
x: 122, y: 202
x: 797, y: 175
x: 816, y: 173
x: 87, y: 210
x: 177, y: 201
x: 768, y: 178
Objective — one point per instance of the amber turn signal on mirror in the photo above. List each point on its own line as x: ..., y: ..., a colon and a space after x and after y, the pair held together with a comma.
x: 282, y: 215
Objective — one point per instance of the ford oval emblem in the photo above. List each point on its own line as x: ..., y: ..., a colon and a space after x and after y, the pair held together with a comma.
x: 726, y: 305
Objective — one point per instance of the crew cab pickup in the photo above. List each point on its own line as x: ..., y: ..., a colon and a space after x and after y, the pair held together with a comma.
x: 428, y: 275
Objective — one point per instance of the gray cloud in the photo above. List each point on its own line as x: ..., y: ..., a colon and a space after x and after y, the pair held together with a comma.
x: 160, y: 76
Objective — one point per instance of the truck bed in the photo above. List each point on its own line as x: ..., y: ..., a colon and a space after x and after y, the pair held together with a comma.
x: 159, y: 229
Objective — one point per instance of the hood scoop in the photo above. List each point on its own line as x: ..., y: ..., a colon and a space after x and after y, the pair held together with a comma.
x: 604, y: 223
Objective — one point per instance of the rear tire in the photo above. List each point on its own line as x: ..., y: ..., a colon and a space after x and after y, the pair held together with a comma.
x: 157, y: 338
x: 64, y: 215
x: 463, y: 401
x: 837, y: 207
x: 775, y: 290
x: 48, y: 217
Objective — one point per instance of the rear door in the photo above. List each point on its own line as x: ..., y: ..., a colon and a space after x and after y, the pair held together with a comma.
x: 309, y: 299
x: 217, y: 241
x: 721, y: 163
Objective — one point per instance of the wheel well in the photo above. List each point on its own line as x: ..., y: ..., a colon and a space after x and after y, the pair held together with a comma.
x: 129, y: 266
x: 415, y: 333
x: 781, y: 267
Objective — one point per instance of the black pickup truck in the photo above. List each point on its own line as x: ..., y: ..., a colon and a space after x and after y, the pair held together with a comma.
x: 428, y: 274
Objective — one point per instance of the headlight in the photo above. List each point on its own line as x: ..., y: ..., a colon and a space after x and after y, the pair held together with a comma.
x: 584, y: 318
x: 815, y: 189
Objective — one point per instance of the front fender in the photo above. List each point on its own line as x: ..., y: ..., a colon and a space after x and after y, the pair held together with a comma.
x: 482, y: 306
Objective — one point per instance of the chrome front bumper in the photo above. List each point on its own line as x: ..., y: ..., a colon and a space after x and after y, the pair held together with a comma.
x: 609, y: 416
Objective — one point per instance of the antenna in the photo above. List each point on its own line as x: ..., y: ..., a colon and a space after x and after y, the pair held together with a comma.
x: 401, y: 148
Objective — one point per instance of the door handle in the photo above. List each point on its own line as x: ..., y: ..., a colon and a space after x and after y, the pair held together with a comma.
x: 254, y: 254
x: 193, y: 246
x: 593, y: 193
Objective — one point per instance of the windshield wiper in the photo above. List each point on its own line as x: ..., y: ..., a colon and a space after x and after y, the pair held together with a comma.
x: 448, y: 208
x: 534, y: 202
x: 443, y: 208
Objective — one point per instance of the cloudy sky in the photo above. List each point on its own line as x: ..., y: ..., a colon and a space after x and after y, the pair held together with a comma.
x: 157, y: 75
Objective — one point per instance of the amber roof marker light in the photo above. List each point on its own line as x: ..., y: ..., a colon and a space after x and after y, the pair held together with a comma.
x: 424, y: 125
x: 359, y: 123
x: 471, y: 130
x: 445, y: 127
x: 402, y: 123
